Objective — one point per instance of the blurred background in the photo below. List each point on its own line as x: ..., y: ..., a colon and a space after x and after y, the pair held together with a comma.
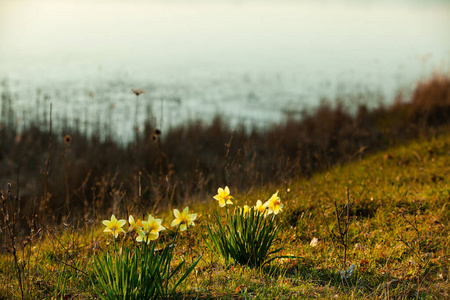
x: 251, y: 62
x: 240, y: 93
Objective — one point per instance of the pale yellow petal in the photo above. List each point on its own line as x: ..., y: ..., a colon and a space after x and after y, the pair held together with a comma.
x: 183, y: 227
x: 176, y: 213
x: 186, y: 210
x: 153, y: 236
x: 191, y: 217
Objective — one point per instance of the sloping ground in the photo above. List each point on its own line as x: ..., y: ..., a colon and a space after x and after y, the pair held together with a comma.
x: 398, y: 238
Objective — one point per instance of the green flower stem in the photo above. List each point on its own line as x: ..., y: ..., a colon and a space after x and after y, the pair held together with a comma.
x: 114, y: 237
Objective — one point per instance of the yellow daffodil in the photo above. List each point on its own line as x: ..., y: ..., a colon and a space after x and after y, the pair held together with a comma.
x: 114, y: 226
x: 223, y: 196
x: 260, y: 206
x: 245, y: 210
x: 146, y: 234
x: 154, y: 224
x: 150, y: 229
x: 134, y: 225
x: 274, y: 204
x: 183, y: 219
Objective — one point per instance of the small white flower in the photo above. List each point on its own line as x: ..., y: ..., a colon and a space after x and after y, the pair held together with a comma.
x: 314, y: 242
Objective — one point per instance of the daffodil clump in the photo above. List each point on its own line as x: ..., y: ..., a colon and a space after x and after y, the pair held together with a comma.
x: 143, y: 273
x: 249, y: 232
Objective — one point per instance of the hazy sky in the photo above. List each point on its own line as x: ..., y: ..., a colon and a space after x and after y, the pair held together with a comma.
x: 221, y: 33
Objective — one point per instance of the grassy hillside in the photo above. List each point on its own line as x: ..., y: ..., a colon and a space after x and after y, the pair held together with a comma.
x: 398, y: 238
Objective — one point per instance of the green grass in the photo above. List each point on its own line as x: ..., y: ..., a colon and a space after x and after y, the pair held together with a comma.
x: 393, y: 192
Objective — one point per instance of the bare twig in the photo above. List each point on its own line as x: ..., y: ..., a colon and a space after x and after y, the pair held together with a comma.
x: 343, y: 220
x: 9, y: 224
x: 69, y: 265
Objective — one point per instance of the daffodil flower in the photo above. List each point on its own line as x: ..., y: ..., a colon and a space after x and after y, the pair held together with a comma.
x: 114, y: 226
x: 134, y: 225
x: 274, y: 204
x: 183, y: 219
x: 245, y: 210
x: 260, y: 206
x: 146, y: 234
x: 150, y: 229
x: 154, y: 224
x: 223, y: 196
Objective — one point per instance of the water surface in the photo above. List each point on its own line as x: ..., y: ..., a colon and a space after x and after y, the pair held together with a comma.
x: 249, y: 61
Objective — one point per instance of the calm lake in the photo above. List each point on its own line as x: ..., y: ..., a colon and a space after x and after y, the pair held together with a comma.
x: 252, y: 62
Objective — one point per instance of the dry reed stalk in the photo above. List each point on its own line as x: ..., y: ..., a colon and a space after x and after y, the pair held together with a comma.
x: 46, y: 197
x: 137, y: 92
x: 67, y: 141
